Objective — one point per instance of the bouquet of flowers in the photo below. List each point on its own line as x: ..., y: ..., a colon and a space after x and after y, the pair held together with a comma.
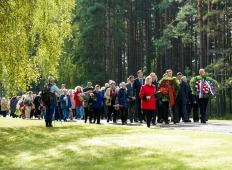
x: 93, y: 96
x: 204, y: 87
x: 168, y: 89
x: 82, y: 96
x: 114, y: 95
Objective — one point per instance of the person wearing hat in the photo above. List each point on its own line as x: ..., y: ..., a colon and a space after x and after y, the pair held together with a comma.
x: 111, y: 99
x: 49, y: 100
x: 88, y: 107
x: 123, y: 98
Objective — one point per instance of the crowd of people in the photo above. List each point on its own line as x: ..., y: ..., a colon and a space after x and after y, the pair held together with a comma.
x: 141, y: 99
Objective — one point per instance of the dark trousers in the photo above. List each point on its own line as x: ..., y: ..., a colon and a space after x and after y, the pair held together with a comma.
x: 149, y: 114
x: 88, y: 114
x: 3, y: 113
x: 166, y: 110
x: 180, y: 111
x: 110, y: 111
x: 138, y: 111
x: 131, y: 110
x: 97, y: 114
x: 195, y: 112
x: 124, y: 114
x: 154, y: 116
x: 203, y: 105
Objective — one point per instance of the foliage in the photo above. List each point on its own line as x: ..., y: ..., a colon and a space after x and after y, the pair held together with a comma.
x: 32, y: 34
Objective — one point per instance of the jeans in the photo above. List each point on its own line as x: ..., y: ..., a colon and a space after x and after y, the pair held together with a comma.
x: 79, y: 112
x: 50, y: 110
x: 65, y: 112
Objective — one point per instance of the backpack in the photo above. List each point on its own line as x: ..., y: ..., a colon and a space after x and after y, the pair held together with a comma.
x: 46, y: 94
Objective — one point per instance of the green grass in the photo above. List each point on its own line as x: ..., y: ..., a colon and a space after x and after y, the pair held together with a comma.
x: 27, y: 144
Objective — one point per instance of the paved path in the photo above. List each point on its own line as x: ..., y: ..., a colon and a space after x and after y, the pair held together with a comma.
x: 218, y: 127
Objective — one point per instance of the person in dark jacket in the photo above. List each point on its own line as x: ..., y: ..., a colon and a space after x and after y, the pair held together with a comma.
x: 123, y: 98
x: 136, y: 88
x: 88, y: 106
x: 38, y: 108
x: 181, y: 102
x: 147, y: 95
x: 131, y: 102
x: 13, y: 104
x: 97, y: 98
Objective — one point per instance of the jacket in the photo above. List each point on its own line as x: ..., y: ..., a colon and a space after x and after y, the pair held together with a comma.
x: 77, y: 99
x: 99, y: 102
x: 147, y: 90
x: 122, y: 98
x: 137, y: 86
x: 65, y: 104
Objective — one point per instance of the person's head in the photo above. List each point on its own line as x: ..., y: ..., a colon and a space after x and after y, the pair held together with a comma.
x: 123, y: 85
x: 110, y: 81
x: 131, y: 78
x: 89, y: 84
x: 70, y: 92
x: 51, y: 79
x: 153, y: 76
x: 179, y: 75
x: 112, y: 85
x: 184, y: 78
x: 97, y: 88
x: 202, y: 72
x: 90, y: 90
x: 78, y: 89
x: 62, y: 86
x: 169, y: 73
x: 165, y: 75
x: 107, y: 85
x: 65, y: 91
x: 140, y: 73
x: 148, y: 80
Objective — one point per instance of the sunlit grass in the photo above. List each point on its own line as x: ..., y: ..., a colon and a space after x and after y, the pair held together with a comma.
x: 27, y: 144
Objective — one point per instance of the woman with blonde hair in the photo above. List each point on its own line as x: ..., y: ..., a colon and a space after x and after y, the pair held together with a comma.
x: 147, y: 95
x: 78, y: 97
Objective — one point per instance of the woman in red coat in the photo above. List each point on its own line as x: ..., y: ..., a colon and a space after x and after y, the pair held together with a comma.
x: 148, y: 99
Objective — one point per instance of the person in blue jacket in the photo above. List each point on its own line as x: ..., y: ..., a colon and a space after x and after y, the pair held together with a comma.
x: 65, y: 104
x: 97, y: 98
x: 123, y: 98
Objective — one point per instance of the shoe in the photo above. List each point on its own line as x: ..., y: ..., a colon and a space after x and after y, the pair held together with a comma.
x: 166, y: 123
x: 136, y: 121
x: 153, y: 124
x: 140, y: 121
x: 203, y: 121
x: 196, y: 121
x: 123, y: 123
x: 114, y: 122
x: 189, y: 121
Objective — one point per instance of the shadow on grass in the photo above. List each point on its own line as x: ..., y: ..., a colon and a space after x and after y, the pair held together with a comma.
x: 65, y: 148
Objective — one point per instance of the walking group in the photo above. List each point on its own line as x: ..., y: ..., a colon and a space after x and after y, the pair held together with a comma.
x: 141, y: 99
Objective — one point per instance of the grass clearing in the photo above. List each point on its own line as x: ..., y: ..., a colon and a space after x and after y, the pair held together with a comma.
x: 27, y: 144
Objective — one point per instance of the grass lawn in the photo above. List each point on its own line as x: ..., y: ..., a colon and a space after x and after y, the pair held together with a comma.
x: 27, y: 144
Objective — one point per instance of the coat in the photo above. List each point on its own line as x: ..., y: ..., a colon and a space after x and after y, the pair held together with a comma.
x: 107, y: 96
x: 77, y: 99
x: 64, y: 104
x: 183, y: 93
x: 99, y: 102
x: 147, y: 90
x: 137, y: 86
x: 122, y: 98
x: 4, y: 105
